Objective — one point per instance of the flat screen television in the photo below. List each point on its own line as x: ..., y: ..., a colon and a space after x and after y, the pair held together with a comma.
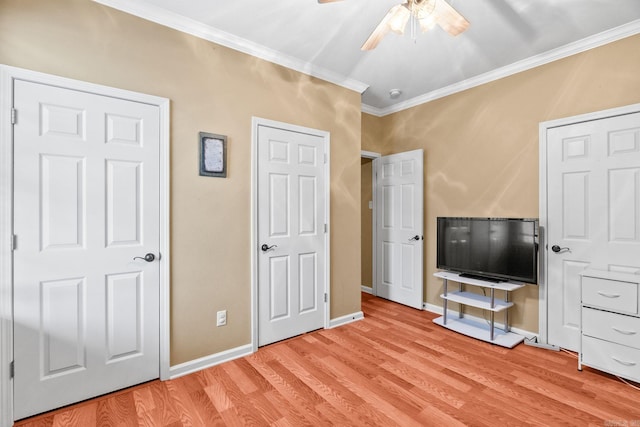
x: 498, y: 249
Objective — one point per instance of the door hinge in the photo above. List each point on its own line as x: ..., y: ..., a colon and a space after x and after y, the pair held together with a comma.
x: 14, y: 242
x: 325, y: 157
x: 325, y: 228
x: 14, y: 116
x: 325, y: 297
x: 12, y: 369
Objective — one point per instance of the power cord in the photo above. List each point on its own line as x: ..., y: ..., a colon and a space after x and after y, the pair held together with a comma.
x: 534, y: 339
x: 575, y: 355
x: 571, y: 353
x: 628, y: 383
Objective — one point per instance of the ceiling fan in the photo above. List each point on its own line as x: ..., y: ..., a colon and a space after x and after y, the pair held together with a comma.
x: 427, y: 13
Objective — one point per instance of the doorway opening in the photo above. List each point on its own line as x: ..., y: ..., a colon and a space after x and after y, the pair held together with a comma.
x: 367, y: 222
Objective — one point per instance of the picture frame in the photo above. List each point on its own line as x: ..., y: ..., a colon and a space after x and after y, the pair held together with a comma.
x: 213, y: 154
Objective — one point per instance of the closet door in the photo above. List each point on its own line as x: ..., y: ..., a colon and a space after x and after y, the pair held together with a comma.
x: 291, y: 233
x: 593, y: 212
x: 86, y: 301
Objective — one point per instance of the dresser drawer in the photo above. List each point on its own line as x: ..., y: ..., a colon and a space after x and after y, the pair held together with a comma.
x: 614, y: 327
x: 610, y: 294
x: 614, y: 358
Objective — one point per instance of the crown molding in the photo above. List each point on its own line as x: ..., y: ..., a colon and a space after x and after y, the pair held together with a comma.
x: 189, y: 26
x: 366, y: 108
x: 588, y: 43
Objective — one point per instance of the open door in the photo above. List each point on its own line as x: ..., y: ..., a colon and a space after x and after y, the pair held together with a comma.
x: 399, y: 228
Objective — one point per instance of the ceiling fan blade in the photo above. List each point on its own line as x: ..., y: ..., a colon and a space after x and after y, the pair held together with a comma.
x: 449, y: 19
x: 395, y: 20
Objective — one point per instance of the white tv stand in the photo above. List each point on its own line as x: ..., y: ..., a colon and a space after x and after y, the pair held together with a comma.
x: 472, y: 328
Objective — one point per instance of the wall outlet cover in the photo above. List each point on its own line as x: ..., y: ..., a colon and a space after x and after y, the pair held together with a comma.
x: 221, y: 318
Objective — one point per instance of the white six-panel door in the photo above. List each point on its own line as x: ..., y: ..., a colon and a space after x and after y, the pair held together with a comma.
x: 593, y: 191
x: 291, y: 226
x: 86, y: 202
x: 399, y: 232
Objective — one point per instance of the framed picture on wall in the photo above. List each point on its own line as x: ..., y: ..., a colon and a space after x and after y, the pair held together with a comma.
x: 213, y: 154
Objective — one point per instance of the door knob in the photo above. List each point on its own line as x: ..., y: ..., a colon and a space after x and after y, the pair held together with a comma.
x: 148, y: 257
x: 558, y: 249
x: 416, y: 237
x: 266, y: 247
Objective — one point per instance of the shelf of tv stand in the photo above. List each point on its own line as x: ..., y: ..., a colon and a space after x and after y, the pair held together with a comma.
x: 501, y: 286
x: 478, y: 329
x: 475, y: 300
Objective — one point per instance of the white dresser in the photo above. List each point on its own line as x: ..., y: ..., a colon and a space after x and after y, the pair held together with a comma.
x: 610, y: 323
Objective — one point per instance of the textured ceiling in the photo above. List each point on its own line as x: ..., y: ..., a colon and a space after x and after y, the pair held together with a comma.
x: 505, y: 36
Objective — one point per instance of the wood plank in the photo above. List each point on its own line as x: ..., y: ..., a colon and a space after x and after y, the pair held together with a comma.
x: 394, y: 367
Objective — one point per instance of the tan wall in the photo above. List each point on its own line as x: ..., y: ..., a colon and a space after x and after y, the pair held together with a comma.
x: 212, y: 89
x: 366, y: 221
x: 373, y: 134
x: 481, y: 145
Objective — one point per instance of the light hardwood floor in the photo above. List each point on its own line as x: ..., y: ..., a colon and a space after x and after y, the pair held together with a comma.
x: 395, y: 367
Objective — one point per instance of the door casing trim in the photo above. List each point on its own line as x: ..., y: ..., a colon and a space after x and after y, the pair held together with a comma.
x: 255, y: 123
x: 543, y: 290
x: 8, y: 75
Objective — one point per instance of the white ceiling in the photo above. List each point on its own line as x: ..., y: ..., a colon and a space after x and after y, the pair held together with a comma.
x: 505, y: 36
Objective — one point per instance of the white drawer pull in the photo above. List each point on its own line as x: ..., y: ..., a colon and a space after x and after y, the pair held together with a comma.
x: 606, y: 295
x: 622, y: 362
x: 623, y: 331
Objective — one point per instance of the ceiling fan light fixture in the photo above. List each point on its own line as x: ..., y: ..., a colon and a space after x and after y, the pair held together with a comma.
x: 428, y: 13
x: 398, y: 21
x: 423, y: 8
x: 427, y: 23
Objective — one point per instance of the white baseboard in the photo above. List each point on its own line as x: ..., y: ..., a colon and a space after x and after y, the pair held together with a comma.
x: 438, y: 310
x: 367, y: 289
x: 245, y: 350
x: 432, y: 308
x: 343, y: 320
x: 209, y: 361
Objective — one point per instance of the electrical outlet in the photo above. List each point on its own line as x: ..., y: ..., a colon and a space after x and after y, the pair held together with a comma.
x: 221, y: 318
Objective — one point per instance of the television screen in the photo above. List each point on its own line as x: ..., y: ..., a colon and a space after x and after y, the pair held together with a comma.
x: 492, y: 248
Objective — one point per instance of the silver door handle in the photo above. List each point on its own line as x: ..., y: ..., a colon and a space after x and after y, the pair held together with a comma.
x: 558, y: 249
x: 148, y: 257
